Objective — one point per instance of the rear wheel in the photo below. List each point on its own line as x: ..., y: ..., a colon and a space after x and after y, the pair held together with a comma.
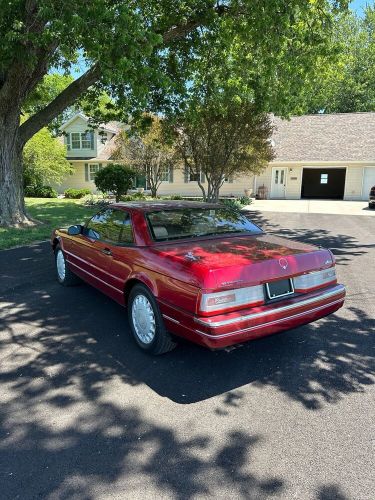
x: 146, y: 322
x: 64, y: 275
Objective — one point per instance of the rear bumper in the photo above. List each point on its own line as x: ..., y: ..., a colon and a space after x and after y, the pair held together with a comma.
x: 232, y: 328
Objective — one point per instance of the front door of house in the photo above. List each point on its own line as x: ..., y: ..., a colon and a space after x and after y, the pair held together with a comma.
x: 278, y: 182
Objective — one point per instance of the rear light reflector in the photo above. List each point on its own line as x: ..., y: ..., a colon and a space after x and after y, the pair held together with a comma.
x: 315, y: 279
x: 231, y: 299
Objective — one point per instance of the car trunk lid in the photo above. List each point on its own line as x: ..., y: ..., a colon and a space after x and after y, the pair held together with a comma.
x: 236, y: 261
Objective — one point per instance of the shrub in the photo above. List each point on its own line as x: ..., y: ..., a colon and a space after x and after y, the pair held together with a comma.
x: 237, y: 203
x: 40, y: 192
x: 245, y: 200
x: 232, y: 203
x: 176, y: 197
x: 94, y: 200
x: 76, y: 194
x: 115, y: 178
x: 139, y: 196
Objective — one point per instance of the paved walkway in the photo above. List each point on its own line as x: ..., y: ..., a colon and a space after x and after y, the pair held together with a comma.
x: 313, y: 206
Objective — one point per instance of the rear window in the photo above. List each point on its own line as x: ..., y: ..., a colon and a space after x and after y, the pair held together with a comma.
x: 195, y: 222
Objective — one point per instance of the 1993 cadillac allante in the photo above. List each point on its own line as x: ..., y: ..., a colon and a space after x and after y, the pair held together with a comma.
x: 198, y: 271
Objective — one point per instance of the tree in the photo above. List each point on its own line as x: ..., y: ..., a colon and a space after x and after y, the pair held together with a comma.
x: 48, y: 89
x: 223, y: 139
x: 349, y: 84
x: 141, y: 53
x: 115, y: 178
x: 149, y: 153
x: 44, y: 160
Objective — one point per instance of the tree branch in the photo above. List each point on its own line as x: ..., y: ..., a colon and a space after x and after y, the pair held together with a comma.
x: 65, y: 99
x: 76, y: 88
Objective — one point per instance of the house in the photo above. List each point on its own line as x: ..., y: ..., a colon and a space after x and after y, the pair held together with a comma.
x: 328, y: 156
x: 88, y: 150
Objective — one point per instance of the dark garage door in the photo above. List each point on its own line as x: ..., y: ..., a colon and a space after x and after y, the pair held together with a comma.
x: 323, y: 183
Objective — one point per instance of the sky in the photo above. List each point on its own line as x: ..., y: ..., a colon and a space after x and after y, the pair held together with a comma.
x: 358, y: 5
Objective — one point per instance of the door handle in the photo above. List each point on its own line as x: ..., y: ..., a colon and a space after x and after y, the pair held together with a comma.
x: 106, y: 251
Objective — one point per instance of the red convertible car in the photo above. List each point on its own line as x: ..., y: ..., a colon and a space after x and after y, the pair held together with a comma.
x: 199, y: 271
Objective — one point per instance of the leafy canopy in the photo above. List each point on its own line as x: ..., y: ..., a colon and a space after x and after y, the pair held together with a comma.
x: 143, y: 53
x: 44, y: 160
x: 349, y: 84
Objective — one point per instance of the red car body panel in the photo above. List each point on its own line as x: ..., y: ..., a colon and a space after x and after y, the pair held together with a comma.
x: 219, y: 264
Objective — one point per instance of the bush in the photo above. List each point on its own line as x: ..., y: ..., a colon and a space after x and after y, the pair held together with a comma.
x: 76, y: 194
x: 176, y: 197
x: 115, y: 178
x: 40, y: 192
x: 94, y: 200
x: 245, y: 200
x: 235, y: 204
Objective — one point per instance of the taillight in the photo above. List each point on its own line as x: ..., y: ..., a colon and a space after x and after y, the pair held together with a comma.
x: 232, y: 299
x: 315, y: 279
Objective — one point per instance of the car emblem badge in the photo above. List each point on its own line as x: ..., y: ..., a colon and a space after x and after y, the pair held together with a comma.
x: 283, y: 263
x: 191, y: 256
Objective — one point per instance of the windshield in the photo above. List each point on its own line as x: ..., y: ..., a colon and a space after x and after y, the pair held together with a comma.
x: 193, y: 222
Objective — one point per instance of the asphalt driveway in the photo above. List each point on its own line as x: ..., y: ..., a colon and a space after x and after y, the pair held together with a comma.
x: 84, y: 414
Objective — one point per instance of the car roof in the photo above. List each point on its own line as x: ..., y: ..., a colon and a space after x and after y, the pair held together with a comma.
x: 148, y: 206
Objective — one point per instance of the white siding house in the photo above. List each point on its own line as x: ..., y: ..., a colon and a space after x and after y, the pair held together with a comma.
x: 317, y: 156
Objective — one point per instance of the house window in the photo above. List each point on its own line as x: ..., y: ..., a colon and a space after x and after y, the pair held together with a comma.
x: 93, y: 170
x: 194, y: 177
x: 165, y: 174
x: 75, y: 140
x: 78, y: 140
x: 323, y: 178
x: 86, y: 140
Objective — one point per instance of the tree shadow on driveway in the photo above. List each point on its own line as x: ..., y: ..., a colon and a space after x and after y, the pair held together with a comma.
x: 87, y: 334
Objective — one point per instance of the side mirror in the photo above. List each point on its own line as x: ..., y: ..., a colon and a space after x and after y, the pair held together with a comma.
x: 74, y: 230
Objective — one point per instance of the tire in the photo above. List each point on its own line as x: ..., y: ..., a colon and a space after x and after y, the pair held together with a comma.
x: 64, y: 275
x: 146, y: 322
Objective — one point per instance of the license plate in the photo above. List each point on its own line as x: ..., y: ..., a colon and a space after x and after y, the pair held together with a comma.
x: 279, y: 288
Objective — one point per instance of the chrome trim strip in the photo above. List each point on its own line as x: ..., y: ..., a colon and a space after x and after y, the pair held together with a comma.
x: 91, y: 265
x: 171, y: 319
x: 84, y: 271
x: 230, y: 334
x: 289, y: 307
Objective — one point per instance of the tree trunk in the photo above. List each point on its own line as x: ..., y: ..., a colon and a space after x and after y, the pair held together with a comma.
x: 12, y: 206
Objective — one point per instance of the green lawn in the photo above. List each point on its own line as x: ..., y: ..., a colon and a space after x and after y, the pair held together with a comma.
x: 52, y: 212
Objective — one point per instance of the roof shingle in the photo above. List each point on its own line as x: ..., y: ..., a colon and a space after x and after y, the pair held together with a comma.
x: 331, y: 137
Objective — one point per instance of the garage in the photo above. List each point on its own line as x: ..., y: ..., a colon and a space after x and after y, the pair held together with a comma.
x: 368, y: 181
x: 323, y: 183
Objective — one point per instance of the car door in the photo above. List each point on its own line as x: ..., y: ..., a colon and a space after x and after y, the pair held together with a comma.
x: 91, y: 254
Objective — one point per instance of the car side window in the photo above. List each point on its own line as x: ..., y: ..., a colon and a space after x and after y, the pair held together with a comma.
x: 110, y: 225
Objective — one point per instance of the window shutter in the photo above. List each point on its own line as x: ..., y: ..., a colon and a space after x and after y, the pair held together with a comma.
x: 92, y: 139
x: 186, y: 174
x: 67, y: 141
x: 203, y: 177
x: 86, y: 172
x: 171, y: 174
x: 100, y: 166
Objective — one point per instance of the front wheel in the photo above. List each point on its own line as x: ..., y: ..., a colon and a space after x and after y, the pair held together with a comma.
x: 146, y: 322
x: 64, y: 275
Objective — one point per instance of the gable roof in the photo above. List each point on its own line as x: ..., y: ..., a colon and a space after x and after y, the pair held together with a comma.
x: 325, y: 137
x: 112, y: 126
